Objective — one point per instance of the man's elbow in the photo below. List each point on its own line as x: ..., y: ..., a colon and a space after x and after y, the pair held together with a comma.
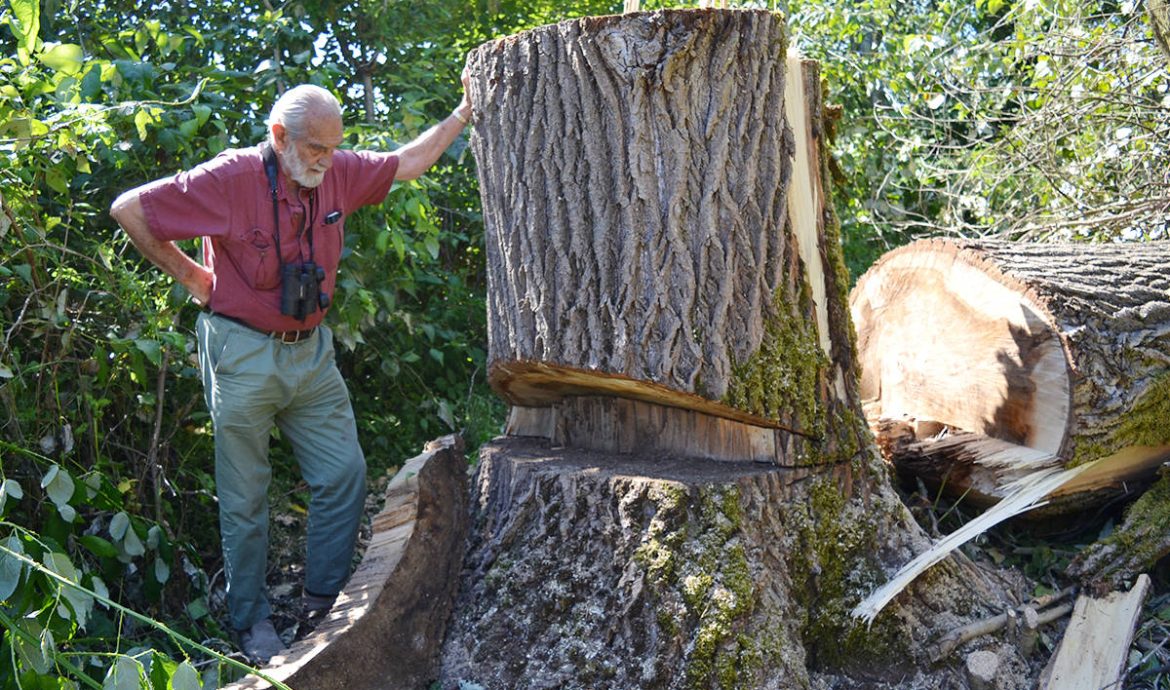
x: 121, y: 205
x: 408, y: 170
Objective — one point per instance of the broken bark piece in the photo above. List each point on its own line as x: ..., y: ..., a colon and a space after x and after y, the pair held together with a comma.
x: 390, y: 619
x: 1060, y: 349
x: 1093, y: 652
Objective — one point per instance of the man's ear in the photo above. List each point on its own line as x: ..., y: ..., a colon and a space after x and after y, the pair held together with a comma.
x: 279, y: 137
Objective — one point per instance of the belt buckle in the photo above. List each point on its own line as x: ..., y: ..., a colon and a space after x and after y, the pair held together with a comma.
x: 290, y: 337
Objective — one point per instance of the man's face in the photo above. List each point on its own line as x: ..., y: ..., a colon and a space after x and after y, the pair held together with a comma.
x: 308, y: 158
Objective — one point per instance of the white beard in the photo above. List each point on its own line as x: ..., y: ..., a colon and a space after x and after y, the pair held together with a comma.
x: 301, y: 173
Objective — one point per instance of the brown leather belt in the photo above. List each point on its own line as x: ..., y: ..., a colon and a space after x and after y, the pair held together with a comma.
x: 282, y: 336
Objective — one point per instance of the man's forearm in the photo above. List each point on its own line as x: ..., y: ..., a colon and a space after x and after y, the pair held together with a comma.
x: 418, y: 156
x: 127, y: 210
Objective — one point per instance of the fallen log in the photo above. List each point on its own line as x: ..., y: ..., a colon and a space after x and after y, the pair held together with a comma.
x: 664, y: 265
x: 1043, y: 354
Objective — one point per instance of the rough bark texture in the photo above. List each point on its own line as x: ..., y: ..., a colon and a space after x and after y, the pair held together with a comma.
x: 634, y: 173
x: 1134, y: 547
x: 644, y: 240
x: 1061, y: 348
x: 597, y: 570
x: 1159, y: 14
x: 661, y: 247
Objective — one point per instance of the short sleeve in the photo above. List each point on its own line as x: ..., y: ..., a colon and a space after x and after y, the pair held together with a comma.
x: 368, y: 176
x: 198, y: 202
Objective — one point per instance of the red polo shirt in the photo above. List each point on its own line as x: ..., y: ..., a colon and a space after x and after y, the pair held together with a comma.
x: 226, y: 201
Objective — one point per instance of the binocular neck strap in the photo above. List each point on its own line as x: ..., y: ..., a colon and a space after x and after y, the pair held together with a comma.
x: 270, y: 170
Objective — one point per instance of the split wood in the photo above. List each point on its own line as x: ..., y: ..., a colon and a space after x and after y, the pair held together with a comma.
x: 1026, y: 619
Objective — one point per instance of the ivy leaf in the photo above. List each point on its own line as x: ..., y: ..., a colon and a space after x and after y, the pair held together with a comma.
x: 11, y: 567
x: 186, y: 677
x: 58, y: 485
x: 124, y: 674
x: 118, y: 525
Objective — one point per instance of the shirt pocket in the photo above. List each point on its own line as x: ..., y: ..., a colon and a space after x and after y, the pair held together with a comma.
x: 259, y: 263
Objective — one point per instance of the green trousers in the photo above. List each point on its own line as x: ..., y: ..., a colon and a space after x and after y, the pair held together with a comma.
x: 252, y: 382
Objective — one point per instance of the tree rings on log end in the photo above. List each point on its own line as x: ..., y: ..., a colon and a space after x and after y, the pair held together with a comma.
x: 944, y: 335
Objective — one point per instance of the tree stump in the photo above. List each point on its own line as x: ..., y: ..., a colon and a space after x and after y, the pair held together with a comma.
x: 688, y: 495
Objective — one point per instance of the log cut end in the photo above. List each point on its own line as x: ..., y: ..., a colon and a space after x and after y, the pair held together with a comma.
x: 943, y: 335
x: 1027, y: 355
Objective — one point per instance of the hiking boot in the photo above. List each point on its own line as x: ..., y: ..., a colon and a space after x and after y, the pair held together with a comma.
x: 316, y: 605
x: 260, y: 642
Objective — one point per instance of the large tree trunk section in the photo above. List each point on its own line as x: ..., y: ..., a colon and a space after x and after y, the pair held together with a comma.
x: 1044, y: 353
x: 666, y: 288
x: 635, y: 176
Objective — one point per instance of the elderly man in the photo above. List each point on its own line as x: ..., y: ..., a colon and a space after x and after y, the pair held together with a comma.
x: 272, y: 219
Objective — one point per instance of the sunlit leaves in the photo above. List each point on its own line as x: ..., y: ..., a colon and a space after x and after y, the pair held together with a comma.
x: 28, y: 23
x: 11, y: 566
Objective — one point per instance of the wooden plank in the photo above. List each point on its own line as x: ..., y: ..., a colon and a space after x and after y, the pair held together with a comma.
x: 1093, y: 652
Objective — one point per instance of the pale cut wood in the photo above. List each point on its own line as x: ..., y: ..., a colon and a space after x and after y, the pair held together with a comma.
x: 1060, y: 348
x: 626, y: 426
x: 1093, y: 652
x: 985, y: 468
x: 1029, y: 493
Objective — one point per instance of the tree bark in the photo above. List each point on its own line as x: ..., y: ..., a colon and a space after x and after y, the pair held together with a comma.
x: 598, y: 570
x: 635, y: 173
x: 666, y: 287
x: 1057, y: 349
x: 1159, y: 14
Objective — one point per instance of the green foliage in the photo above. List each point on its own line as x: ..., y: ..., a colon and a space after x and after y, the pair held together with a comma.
x: 1027, y: 119
x: 105, y: 483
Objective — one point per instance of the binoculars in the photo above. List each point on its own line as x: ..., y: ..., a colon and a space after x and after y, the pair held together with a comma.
x: 300, y: 289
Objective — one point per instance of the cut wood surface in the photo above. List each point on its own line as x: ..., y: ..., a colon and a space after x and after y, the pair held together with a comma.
x: 1095, y: 648
x: 1057, y: 348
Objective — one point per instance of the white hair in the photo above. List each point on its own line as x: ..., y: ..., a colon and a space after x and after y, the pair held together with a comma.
x: 297, y: 105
